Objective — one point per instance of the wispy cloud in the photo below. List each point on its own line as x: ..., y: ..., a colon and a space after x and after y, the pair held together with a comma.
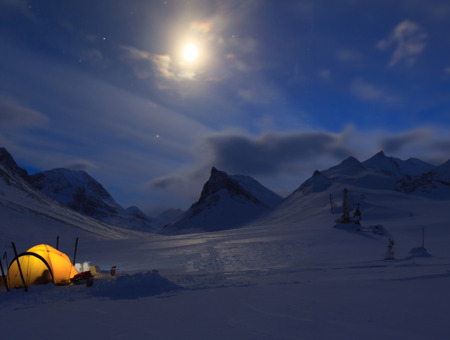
x: 16, y: 115
x: 163, y: 65
x: 348, y: 55
x: 283, y: 161
x: 270, y: 152
x: 369, y: 92
x: 201, y: 26
x: 146, y: 64
x: 140, y: 61
x: 446, y: 73
x: 284, y: 157
x: 400, y: 142
x: 80, y: 164
x: 409, y: 40
x: 324, y: 74
x: 428, y: 143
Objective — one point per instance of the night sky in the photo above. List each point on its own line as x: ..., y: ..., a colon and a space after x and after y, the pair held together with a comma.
x: 270, y: 89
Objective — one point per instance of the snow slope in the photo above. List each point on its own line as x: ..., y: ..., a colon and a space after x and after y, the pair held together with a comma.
x: 80, y: 192
x: 288, y: 275
x: 225, y: 202
x: 27, y: 214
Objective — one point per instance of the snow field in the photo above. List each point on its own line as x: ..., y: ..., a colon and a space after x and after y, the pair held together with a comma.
x: 260, y: 282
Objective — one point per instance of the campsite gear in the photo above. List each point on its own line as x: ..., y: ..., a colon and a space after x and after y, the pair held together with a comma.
x: 20, y: 269
x: 75, y: 254
x: 83, y: 277
x: 40, y: 264
x: 3, y: 277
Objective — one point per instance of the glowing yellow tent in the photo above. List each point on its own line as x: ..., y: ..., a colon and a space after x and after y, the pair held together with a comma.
x: 40, y: 265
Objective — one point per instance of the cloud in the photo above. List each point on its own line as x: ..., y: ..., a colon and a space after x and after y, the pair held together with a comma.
x: 180, y: 188
x: 260, y: 93
x: 348, y: 55
x: 201, y: 26
x: 279, y: 159
x: 325, y: 74
x: 270, y: 153
x: 282, y: 161
x: 446, y: 73
x: 409, y: 40
x: 430, y: 144
x: 370, y: 92
x: 146, y: 64
x: 80, y: 164
x: 402, y: 141
x: 163, y: 64
x: 140, y: 61
x: 15, y: 115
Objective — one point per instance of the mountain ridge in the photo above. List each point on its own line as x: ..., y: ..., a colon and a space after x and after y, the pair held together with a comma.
x: 79, y: 191
x: 229, y: 201
x: 225, y: 201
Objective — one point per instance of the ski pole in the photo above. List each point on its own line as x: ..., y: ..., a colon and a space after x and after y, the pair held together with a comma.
x: 18, y: 265
x: 75, y: 254
x: 3, y: 276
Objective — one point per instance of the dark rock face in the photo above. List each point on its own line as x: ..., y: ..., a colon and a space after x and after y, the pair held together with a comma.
x: 225, y: 202
x: 220, y: 180
x: 10, y: 165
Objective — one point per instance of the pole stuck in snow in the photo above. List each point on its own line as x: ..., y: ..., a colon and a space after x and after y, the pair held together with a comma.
x: 18, y: 265
x: 75, y: 254
x: 3, y: 276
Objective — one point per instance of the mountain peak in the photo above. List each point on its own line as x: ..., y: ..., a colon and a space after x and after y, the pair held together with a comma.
x: 348, y: 165
x: 350, y: 161
x: 383, y: 163
x: 61, y: 180
x: 225, y: 201
x: 10, y: 164
x: 217, y: 181
x: 79, y: 191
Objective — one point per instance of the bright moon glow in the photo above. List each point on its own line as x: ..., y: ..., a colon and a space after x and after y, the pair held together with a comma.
x: 190, y: 52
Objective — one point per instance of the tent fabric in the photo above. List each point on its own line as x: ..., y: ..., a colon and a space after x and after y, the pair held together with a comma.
x: 35, y: 271
x: 41, y: 264
x: 62, y: 269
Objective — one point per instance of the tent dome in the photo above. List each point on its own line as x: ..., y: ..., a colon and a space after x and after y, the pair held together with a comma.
x: 41, y: 264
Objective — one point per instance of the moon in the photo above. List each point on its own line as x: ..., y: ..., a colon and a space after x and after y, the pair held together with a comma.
x: 190, y: 52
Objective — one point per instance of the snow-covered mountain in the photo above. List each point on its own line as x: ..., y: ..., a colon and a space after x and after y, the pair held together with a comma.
x: 27, y: 211
x: 167, y: 216
x: 82, y: 193
x: 225, y: 202
x: 291, y: 272
x: 379, y: 172
x: 370, y: 184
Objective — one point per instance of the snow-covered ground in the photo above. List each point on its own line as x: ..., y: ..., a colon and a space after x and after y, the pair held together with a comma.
x: 291, y: 274
x: 300, y: 279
